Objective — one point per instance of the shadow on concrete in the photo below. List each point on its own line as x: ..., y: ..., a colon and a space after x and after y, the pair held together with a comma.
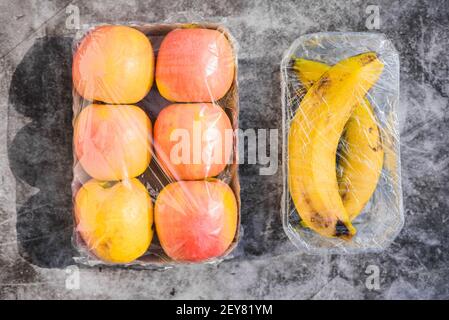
x: 40, y: 153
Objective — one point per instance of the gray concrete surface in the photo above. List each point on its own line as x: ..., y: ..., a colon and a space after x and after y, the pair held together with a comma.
x: 35, y: 156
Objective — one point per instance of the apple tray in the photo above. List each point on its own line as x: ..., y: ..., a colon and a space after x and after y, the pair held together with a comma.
x: 153, y: 178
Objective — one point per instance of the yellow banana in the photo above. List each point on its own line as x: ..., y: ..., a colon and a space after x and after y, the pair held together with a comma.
x: 361, y: 159
x: 313, y: 140
x: 309, y: 71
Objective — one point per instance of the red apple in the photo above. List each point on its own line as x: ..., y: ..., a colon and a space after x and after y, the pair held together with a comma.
x: 113, y: 142
x: 114, y: 64
x: 193, y: 141
x: 196, y: 220
x: 194, y: 65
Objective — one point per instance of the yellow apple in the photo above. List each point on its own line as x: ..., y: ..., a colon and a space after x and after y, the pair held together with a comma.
x: 115, y: 219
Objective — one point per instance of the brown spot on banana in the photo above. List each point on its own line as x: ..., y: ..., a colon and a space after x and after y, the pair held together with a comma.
x: 367, y: 58
x: 322, y: 85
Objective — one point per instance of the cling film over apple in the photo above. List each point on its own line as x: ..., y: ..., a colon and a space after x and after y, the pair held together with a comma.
x: 155, y: 176
x: 341, y: 157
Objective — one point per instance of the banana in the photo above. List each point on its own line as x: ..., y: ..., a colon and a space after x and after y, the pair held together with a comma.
x: 361, y: 158
x: 313, y: 139
x: 309, y: 71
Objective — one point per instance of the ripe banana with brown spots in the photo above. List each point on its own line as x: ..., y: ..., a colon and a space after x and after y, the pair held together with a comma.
x: 313, y: 138
x: 362, y: 155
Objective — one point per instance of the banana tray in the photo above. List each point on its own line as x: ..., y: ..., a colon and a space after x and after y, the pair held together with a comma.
x: 341, y: 152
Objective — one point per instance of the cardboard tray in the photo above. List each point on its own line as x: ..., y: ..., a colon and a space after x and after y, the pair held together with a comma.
x: 153, y: 178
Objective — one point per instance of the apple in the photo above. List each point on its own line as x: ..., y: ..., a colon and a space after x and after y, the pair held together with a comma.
x: 113, y: 142
x: 194, y: 65
x: 193, y: 141
x: 196, y: 220
x: 114, y: 64
x: 115, y: 219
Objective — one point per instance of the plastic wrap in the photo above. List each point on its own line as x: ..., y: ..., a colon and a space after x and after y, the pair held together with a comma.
x: 155, y: 176
x: 341, y: 157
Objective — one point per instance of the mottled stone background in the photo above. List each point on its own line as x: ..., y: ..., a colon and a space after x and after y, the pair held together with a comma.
x: 35, y: 155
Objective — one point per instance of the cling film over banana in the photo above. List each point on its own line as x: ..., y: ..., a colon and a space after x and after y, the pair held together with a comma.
x: 340, y: 92
x: 313, y: 139
x: 361, y: 155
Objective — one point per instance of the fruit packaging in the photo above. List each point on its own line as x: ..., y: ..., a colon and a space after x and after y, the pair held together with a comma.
x: 155, y: 174
x: 341, y: 156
